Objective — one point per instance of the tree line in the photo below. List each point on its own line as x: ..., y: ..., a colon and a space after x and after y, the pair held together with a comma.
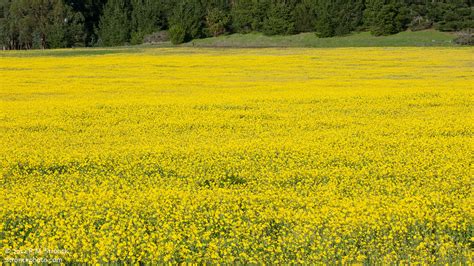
x: 28, y: 24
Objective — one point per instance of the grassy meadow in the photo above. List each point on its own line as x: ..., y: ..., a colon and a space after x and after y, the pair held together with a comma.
x: 426, y: 38
x: 275, y: 156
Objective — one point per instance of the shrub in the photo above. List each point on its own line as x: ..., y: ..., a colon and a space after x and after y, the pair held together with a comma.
x: 465, y: 37
x: 420, y: 23
x: 217, y: 22
x: 160, y: 36
x: 177, y: 34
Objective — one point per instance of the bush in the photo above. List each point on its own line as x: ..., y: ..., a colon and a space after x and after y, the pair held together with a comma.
x: 465, y: 37
x: 177, y: 34
x: 160, y: 36
x: 420, y: 23
x: 217, y: 22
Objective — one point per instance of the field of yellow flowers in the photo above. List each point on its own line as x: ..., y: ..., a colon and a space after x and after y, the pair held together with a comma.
x: 269, y: 156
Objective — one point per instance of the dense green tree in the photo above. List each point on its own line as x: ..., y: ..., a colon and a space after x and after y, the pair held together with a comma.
x: 217, y: 22
x: 325, y: 23
x: 177, y: 34
x: 114, y: 25
x: 26, y: 24
x: 386, y: 17
x: 145, y: 19
x: 65, y: 28
x: 279, y: 20
x: 304, y: 16
x: 338, y: 17
x: 6, y: 38
x: 451, y: 15
x: 249, y: 15
x: 91, y: 10
x: 40, y: 24
x: 190, y: 16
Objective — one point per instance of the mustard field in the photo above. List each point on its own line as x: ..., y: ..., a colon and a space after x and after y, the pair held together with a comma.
x: 261, y: 156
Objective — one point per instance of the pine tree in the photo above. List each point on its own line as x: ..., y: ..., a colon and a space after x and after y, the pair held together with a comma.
x: 217, y: 22
x: 338, y: 17
x: 65, y: 28
x: 279, y: 20
x: 248, y: 15
x: 5, y: 22
x: 304, y: 16
x: 386, y: 18
x: 188, y: 16
x: 114, y: 25
x: 41, y: 24
x: 145, y: 19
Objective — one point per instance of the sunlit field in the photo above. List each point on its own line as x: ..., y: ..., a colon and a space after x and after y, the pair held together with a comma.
x: 353, y: 155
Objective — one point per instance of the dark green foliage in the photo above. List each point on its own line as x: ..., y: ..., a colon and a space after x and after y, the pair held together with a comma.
x: 91, y: 10
x: 177, y: 34
x: 26, y: 24
x: 386, y: 18
x: 145, y: 19
x: 338, y: 17
x: 242, y: 18
x: 190, y: 16
x: 66, y: 28
x: 114, y: 25
x: 217, y: 22
x: 278, y: 20
x: 452, y: 17
x: 248, y: 15
x: 304, y: 16
x: 325, y: 23
x: 7, y: 34
x: 385, y: 21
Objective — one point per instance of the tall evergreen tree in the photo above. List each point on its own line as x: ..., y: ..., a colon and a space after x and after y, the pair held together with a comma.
x: 6, y: 37
x: 304, y: 16
x: 65, y: 28
x: 145, y: 19
x: 217, y: 22
x: 114, y: 25
x: 188, y: 16
x: 279, y: 20
x: 248, y: 15
x: 338, y: 17
x: 386, y: 17
x: 91, y: 10
x: 41, y: 24
x: 26, y: 24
